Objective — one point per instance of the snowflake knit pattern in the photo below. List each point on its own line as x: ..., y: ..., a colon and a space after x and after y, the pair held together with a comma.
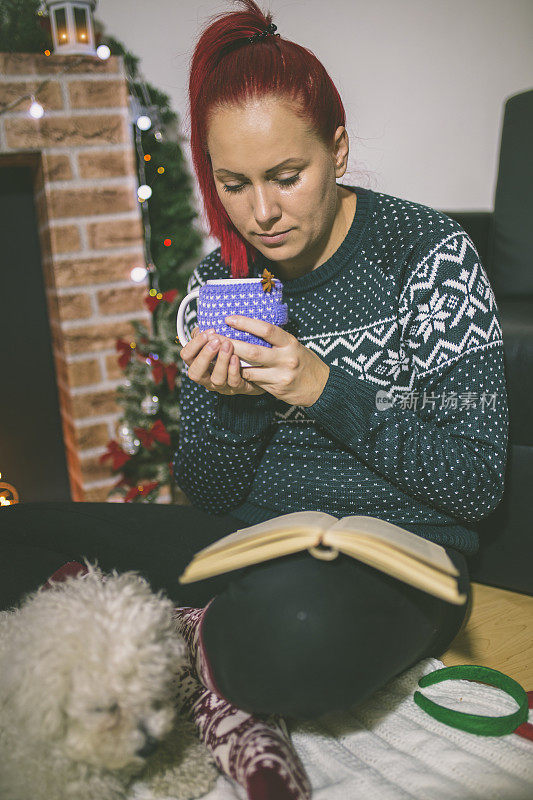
x: 412, y: 424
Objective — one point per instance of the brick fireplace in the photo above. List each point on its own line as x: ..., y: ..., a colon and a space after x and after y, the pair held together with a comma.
x: 90, y: 233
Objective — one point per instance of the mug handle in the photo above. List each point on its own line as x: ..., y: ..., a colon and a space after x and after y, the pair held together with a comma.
x: 181, y: 313
x: 179, y: 321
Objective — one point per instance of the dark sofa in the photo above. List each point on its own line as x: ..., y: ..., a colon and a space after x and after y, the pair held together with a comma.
x: 504, y: 239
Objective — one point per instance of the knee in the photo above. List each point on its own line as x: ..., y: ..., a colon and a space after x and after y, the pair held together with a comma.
x: 294, y: 608
x: 292, y: 650
x: 272, y: 665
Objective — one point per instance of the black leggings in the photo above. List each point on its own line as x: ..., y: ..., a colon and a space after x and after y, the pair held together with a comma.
x: 296, y: 635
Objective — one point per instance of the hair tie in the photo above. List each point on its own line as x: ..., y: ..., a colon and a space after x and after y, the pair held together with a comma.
x: 264, y: 33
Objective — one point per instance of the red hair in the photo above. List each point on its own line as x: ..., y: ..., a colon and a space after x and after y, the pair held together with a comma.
x: 226, y: 69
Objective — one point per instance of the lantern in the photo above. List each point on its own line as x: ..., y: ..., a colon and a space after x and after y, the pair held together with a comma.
x: 72, y: 26
x: 8, y: 494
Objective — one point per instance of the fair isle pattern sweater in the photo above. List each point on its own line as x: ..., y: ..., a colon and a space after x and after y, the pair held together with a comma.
x: 403, y: 307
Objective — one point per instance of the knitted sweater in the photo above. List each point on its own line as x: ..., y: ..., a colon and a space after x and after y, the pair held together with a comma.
x: 402, y: 312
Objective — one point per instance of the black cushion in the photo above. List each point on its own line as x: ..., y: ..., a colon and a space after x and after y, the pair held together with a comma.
x: 517, y: 326
x: 511, y: 246
x: 504, y: 240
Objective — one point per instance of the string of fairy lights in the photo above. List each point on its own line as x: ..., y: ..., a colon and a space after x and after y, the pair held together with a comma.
x: 143, y: 122
x: 145, y: 115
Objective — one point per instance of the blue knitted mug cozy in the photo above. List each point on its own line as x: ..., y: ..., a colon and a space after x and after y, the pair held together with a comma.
x: 219, y: 298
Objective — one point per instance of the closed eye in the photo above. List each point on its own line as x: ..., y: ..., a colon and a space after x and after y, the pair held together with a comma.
x: 284, y: 182
x: 106, y: 709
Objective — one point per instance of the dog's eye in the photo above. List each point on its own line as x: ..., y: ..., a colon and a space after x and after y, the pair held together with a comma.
x: 106, y: 709
x: 157, y: 704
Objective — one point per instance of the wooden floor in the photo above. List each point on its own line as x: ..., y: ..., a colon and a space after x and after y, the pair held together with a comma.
x: 499, y: 634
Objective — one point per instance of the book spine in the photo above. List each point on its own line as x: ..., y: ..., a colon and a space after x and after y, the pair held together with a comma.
x: 325, y: 555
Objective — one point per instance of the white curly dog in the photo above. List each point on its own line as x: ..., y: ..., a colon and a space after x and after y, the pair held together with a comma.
x: 88, y: 676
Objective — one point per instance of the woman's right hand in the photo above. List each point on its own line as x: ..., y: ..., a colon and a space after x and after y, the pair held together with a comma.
x: 225, y: 376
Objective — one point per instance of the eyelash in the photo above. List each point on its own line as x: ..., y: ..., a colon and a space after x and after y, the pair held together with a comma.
x: 286, y: 182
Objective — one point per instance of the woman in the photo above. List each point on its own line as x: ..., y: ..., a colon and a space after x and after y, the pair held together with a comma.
x: 364, y: 403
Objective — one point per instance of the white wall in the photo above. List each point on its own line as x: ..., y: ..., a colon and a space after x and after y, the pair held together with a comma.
x: 423, y: 82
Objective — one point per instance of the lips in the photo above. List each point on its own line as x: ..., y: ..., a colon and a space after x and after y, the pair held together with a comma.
x: 274, y: 234
x: 271, y: 240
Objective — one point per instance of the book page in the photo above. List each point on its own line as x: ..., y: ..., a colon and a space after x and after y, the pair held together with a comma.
x: 309, y: 535
x: 404, y: 568
x: 216, y: 565
x: 286, y: 524
x: 406, y: 541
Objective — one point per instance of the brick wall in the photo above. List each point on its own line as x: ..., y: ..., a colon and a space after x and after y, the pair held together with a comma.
x: 91, y: 236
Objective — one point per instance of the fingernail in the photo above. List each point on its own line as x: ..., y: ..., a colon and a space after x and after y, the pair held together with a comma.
x: 214, y: 344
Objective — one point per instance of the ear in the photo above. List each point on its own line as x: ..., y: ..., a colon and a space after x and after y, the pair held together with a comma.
x: 37, y: 688
x: 35, y: 682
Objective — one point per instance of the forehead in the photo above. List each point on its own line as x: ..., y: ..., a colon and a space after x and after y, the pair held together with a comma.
x: 260, y: 132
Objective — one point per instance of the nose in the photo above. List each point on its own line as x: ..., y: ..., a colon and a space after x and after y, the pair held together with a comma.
x: 150, y: 744
x: 265, y: 209
x: 148, y: 747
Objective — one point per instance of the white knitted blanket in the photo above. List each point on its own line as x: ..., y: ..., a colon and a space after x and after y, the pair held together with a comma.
x: 389, y: 748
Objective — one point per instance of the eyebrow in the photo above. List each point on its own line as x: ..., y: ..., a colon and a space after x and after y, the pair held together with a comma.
x: 267, y: 171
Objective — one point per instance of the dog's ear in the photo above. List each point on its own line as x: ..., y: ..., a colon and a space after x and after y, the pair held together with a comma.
x: 36, y: 688
x: 43, y: 649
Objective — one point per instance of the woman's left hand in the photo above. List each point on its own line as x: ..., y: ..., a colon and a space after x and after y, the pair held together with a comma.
x: 288, y: 370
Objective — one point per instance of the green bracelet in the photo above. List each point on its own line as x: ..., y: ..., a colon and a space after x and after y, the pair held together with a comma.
x: 475, y: 723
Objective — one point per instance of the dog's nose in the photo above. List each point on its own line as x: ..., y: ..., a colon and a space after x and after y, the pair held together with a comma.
x: 149, y: 745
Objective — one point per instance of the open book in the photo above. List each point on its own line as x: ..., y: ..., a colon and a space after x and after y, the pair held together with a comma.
x: 387, y: 547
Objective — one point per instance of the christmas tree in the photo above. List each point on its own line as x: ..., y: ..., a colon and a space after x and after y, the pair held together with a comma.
x: 148, y: 430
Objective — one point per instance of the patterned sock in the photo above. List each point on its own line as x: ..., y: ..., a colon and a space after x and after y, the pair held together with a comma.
x: 255, y: 752
x: 70, y: 569
x: 189, y: 625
